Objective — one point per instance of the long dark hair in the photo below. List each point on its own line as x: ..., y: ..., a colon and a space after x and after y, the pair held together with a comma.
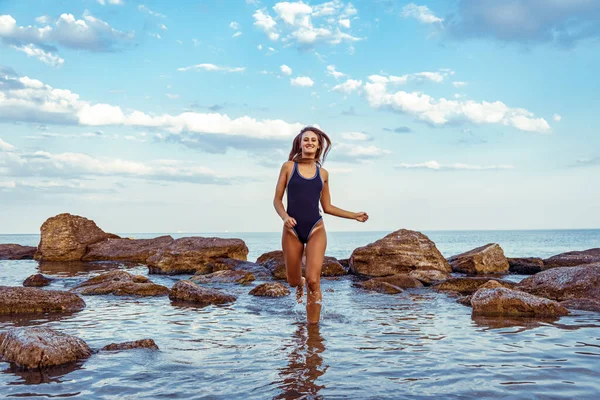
x: 296, y: 153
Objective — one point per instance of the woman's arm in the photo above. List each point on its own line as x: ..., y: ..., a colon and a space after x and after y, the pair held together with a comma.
x: 329, y: 208
x: 279, y: 191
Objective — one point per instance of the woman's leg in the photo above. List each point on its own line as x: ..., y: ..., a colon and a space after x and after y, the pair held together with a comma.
x: 315, y: 252
x: 292, y: 254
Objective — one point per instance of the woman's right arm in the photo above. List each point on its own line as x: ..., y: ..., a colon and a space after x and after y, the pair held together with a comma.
x: 280, y: 190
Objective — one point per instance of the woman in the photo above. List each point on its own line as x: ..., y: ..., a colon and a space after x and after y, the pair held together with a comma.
x: 307, y: 183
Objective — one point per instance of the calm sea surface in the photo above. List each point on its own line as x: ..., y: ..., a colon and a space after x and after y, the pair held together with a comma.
x: 419, y: 344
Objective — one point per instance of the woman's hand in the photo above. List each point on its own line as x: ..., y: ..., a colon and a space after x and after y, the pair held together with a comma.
x: 361, y: 216
x: 289, y: 222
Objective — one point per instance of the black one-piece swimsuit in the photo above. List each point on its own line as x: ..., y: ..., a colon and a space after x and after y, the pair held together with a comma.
x: 303, y: 195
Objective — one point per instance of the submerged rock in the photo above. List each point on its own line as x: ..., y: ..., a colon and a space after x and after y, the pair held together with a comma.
x: 468, y: 285
x: 564, y: 283
x: 488, y: 259
x: 135, y: 250
x: 226, y: 276
x: 37, y: 280
x: 39, y: 347
x: 137, y: 344
x: 379, y: 286
x: 188, y: 291
x: 270, y: 289
x: 505, y: 302
x: 429, y: 276
x: 120, y: 283
x: 525, y: 266
x: 399, y: 252
x: 12, y: 251
x: 573, y: 258
x: 403, y: 281
x: 15, y: 300
x: 191, y: 255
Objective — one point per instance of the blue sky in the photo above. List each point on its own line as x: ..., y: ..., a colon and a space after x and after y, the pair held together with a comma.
x: 176, y: 116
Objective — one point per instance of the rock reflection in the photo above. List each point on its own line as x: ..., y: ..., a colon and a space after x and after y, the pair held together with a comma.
x: 504, y: 322
x: 45, y: 375
x: 77, y: 268
x: 305, y: 364
x: 33, y: 319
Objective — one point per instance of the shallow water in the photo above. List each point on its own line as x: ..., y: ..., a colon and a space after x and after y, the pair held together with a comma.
x: 419, y: 344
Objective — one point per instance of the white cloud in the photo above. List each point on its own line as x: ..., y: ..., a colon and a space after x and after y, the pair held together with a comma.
x: 156, y: 35
x: 146, y: 10
x: 285, y: 70
x: 237, y: 34
x: 8, y: 184
x: 421, y: 13
x: 359, y: 152
x: 345, y: 23
x: 459, y: 84
x: 212, y: 67
x: 303, y: 81
x: 46, y: 57
x: 6, y: 146
x: 456, y: 166
x: 358, y: 136
x: 336, y: 74
x: 163, y: 27
x: 347, y: 87
x: 43, y: 19
x: 172, y: 96
x: 259, y: 47
x: 556, y: 117
x: 114, y: 2
x: 234, y: 25
x: 265, y: 22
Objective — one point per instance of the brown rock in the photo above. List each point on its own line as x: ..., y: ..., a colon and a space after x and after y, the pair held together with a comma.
x: 399, y: 252
x: 17, y: 300
x: 525, y: 266
x: 403, y: 281
x: 331, y: 267
x: 188, y: 291
x: 582, y: 304
x: 501, y: 301
x: 16, y: 252
x: 120, y: 283
x: 429, y: 276
x: 226, y: 276
x: 488, y: 259
x: 270, y: 289
x: 137, y: 344
x: 65, y: 237
x: 573, y: 258
x: 231, y: 264
x: 379, y: 286
x: 464, y: 300
x: 37, y: 280
x: 274, y: 262
x: 345, y: 262
x: 39, y: 347
x: 468, y: 285
x: 564, y: 283
x: 190, y: 255
x: 135, y: 250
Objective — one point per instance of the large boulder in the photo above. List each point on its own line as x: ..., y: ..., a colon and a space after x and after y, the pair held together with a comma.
x: 270, y: 289
x: 487, y: 259
x: 399, y: 252
x: 403, y: 281
x: 429, y: 276
x: 573, y: 258
x: 66, y: 237
x: 17, y: 300
x: 225, y: 276
x: 232, y: 264
x: 526, y: 265
x: 120, y: 283
x: 190, y: 255
x: 36, y: 280
x: 468, y: 285
x: 505, y: 302
x: 39, y: 347
x: 564, y: 283
x: 189, y: 292
x: 12, y: 251
x: 582, y: 304
x: 135, y: 250
x: 379, y: 286
x: 274, y: 262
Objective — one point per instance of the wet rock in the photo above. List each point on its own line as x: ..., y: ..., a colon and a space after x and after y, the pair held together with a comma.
x: 120, y: 283
x: 16, y: 300
x: 525, y: 266
x: 464, y: 300
x: 331, y: 267
x: 137, y: 344
x: 226, y: 276
x: 39, y: 347
x: 429, y: 276
x: 488, y: 259
x: 231, y: 264
x: 501, y: 301
x: 135, y: 250
x: 188, y: 291
x: 65, y: 237
x: 37, y: 280
x: 564, y: 283
x: 274, y: 262
x: 81, y: 268
x: 270, y: 289
x: 468, y: 285
x: 403, y: 281
x: 399, y: 252
x: 191, y: 255
x: 582, y: 304
x: 573, y: 258
x: 379, y: 286
x: 345, y: 263
x: 11, y: 251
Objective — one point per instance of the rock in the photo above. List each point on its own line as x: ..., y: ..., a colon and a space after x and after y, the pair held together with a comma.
x: 11, y: 251
x: 491, y: 284
x: 403, y: 281
x: 468, y: 285
x: 188, y: 291
x: 137, y: 344
x: 331, y: 267
x: 464, y: 300
x: 505, y: 302
x: 399, y: 252
x: 525, y: 266
x: 270, y: 289
x: 226, y: 276
x: 564, y: 283
x: 135, y: 250
x: 582, y: 304
x: 345, y: 263
x: 120, y: 283
x: 37, y: 280
x: 81, y: 268
x: 573, y: 258
x: 429, y: 276
x: 274, y: 262
x: 16, y: 300
x: 39, y: 347
x: 65, y: 237
x: 190, y: 255
x: 379, y: 286
x: 231, y: 264
x: 488, y: 259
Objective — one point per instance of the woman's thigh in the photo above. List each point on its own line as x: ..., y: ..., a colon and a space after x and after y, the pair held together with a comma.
x: 292, y: 254
x: 315, y: 252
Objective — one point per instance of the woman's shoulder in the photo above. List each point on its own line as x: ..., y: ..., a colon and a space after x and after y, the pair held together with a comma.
x: 287, y: 166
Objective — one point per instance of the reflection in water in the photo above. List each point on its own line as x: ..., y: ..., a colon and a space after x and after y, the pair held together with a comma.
x: 33, y: 319
x: 76, y: 268
x: 304, y: 364
x: 523, y: 323
x: 44, y: 375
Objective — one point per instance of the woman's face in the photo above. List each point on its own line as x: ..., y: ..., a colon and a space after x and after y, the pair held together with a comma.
x: 310, y: 142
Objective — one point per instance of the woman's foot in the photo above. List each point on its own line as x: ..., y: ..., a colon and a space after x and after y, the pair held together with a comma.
x: 300, y: 290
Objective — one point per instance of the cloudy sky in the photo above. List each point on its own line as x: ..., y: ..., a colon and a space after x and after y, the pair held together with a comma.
x: 176, y: 116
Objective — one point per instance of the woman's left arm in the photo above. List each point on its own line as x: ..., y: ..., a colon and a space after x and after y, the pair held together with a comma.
x: 329, y: 208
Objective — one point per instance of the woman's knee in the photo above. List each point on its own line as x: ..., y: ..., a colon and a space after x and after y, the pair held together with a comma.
x: 313, y: 283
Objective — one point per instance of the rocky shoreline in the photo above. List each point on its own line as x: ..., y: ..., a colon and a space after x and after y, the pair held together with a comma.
x: 402, y: 260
